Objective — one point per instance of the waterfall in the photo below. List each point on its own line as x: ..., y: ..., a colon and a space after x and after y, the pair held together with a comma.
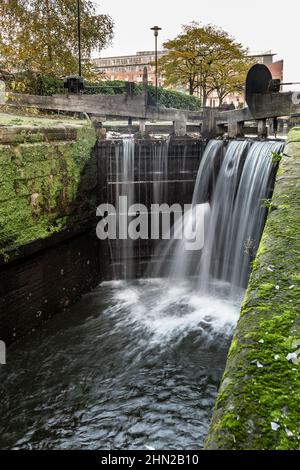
x: 233, y: 186
x: 249, y: 213
x: 182, y: 262
x: 237, y: 214
x: 124, y: 186
x: 159, y: 170
x: 208, y: 171
x: 139, y: 172
x: 232, y: 180
x: 219, y: 229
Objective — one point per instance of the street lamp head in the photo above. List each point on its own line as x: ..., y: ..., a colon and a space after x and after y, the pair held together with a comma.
x: 156, y: 29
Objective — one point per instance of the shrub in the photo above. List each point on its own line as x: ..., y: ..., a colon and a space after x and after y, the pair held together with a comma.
x: 34, y: 84
x: 108, y: 87
x: 173, y: 99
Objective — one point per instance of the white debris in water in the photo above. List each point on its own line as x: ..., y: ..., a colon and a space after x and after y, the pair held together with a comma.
x: 291, y: 287
x: 275, y: 426
x: 277, y: 287
x: 259, y: 365
x: 261, y: 341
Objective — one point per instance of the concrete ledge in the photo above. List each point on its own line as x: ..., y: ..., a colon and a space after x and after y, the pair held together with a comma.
x: 258, y: 406
x: 31, y: 134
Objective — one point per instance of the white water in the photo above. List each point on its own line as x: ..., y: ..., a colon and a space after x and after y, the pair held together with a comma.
x: 125, y: 176
x: 167, y: 311
x: 159, y: 169
x: 235, y: 215
x: 141, y: 180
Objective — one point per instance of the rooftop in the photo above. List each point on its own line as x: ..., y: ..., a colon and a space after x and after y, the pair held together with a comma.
x: 146, y: 53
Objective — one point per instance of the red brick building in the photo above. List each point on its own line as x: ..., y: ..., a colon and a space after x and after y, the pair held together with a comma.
x: 130, y: 68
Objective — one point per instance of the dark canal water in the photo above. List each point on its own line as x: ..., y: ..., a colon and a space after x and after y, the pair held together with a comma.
x: 131, y: 366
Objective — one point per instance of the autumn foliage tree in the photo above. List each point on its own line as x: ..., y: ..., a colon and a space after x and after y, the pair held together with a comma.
x: 41, y: 35
x: 205, y: 58
x: 228, y: 77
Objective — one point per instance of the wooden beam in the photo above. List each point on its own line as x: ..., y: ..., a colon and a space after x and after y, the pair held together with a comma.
x: 265, y: 105
x: 104, y: 105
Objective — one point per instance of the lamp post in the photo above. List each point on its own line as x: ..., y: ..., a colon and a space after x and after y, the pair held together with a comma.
x: 156, y: 29
x: 79, y: 38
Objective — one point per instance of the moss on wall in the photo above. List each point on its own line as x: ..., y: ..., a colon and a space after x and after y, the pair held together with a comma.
x: 258, y: 406
x: 40, y: 187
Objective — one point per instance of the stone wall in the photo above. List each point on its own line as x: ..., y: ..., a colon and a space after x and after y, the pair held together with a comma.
x: 258, y: 405
x: 52, y: 178
x: 49, y: 253
x: 47, y: 182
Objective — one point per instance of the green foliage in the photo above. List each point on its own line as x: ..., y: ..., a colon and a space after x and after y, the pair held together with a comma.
x: 268, y: 204
x: 175, y: 99
x: 276, y: 157
x: 167, y: 98
x: 41, y: 35
x: 48, y: 85
x: 35, y: 84
x: 108, y: 87
x: 172, y: 99
x: 205, y: 58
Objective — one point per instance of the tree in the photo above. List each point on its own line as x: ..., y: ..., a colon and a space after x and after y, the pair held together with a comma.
x: 229, y: 76
x: 41, y: 35
x: 195, y: 55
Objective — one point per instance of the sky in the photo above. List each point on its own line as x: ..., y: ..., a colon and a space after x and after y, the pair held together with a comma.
x: 264, y: 25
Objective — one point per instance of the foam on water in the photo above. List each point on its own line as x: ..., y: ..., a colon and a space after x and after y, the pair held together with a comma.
x: 168, y: 309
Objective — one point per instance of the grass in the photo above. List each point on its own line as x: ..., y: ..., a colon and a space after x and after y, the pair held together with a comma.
x: 8, y: 119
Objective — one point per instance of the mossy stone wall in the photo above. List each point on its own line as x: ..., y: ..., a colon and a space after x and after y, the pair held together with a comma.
x: 47, y: 181
x: 258, y: 406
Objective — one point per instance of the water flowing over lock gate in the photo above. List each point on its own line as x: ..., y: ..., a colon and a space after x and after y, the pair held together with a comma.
x: 137, y: 363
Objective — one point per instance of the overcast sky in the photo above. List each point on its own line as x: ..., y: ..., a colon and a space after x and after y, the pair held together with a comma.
x: 264, y: 25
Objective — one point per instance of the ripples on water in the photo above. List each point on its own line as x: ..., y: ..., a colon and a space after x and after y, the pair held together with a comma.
x: 131, y: 365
